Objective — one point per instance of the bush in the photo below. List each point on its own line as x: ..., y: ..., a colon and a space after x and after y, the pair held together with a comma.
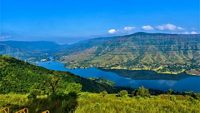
x: 73, y: 87
x: 55, y: 103
x: 104, y: 93
x: 170, y: 91
x: 123, y: 93
x: 141, y: 91
x: 33, y: 94
x: 195, y: 96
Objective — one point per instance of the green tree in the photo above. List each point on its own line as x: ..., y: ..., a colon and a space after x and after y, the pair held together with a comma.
x: 73, y: 87
x: 53, y: 83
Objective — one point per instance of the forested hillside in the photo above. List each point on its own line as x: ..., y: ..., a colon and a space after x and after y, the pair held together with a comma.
x: 20, y: 77
x: 25, y: 85
x: 163, y: 53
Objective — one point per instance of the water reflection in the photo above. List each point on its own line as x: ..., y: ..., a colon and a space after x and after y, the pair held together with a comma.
x: 148, y: 75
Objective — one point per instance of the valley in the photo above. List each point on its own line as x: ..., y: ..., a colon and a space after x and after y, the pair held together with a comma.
x: 38, y: 89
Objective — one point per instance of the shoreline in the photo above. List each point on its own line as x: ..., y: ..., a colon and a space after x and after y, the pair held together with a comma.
x: 141, y: 69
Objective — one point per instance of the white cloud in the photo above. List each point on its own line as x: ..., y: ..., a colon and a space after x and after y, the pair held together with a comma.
x: 147, y: 27
x: 193, y: 32
x: 166, y: 27
x: 129, y: 28
x: 112, y: 31
x: 186, y: 32
x: 180, y: 28
x: 170, y: 27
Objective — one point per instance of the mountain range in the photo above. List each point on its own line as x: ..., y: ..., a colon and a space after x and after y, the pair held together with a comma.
x: 163, y: 53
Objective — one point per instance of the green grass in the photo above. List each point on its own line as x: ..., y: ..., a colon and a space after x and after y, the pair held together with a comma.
x: 96, y: 103
x: 13, y: 99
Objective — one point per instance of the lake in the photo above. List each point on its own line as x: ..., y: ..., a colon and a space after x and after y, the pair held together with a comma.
x: 134, y: 79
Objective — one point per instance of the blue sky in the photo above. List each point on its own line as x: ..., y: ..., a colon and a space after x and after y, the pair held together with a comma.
x: 79, y: 19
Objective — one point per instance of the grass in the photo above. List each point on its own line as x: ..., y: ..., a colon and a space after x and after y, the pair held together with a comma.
x: 93, y: 103
x: 13, y: 100
x: 110, y: 103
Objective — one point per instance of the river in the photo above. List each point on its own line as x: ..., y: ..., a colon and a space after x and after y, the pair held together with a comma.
x: 134, y: 79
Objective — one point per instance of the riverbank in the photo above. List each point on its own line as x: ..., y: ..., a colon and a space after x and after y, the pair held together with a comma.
x: 159, y: 70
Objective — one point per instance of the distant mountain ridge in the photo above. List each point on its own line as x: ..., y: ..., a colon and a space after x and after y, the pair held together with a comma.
x: 164, y: 53
x: 29, y: 50
x: 34, y: 45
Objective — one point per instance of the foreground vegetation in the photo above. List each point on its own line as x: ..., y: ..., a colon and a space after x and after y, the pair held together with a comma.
x: 105, y: 103
x: 91, y: 103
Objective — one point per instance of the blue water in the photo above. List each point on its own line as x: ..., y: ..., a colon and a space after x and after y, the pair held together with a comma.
x: 134, y: 79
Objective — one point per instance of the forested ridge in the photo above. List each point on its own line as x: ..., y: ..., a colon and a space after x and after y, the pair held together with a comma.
x: 22, y: 77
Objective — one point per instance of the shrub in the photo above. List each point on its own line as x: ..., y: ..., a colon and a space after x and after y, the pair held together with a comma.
x: 123, y: 93
x: 195, y: 95
x: 170, y: 91
x: 104, y: 93
x: 141, y: 91
x: 33, y: 94
x: 73, y: 87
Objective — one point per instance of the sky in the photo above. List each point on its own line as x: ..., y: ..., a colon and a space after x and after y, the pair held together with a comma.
x: 71, y: 20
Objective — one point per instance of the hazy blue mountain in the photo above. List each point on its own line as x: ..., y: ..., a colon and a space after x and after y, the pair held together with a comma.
x: 37, y: 45
x: 29, y: 50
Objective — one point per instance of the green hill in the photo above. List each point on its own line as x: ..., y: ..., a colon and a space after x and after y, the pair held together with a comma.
x: 38, y: 89
x: 163, y: 53
x: 21, y: 77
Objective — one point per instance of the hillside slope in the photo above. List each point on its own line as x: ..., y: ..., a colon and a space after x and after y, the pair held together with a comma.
x: 20, y: 77
x: 164, y: 53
